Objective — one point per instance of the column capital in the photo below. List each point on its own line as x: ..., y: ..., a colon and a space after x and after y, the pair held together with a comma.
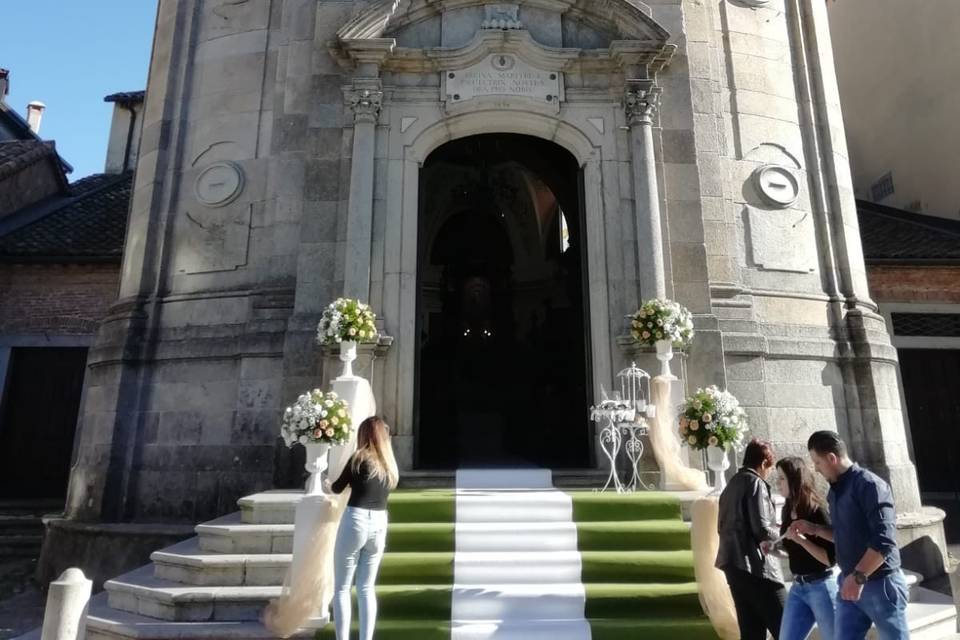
x: 641, y: 99
x: 366, y: 101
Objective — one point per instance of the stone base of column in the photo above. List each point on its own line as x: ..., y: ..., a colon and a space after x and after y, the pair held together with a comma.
x: 923, y: 546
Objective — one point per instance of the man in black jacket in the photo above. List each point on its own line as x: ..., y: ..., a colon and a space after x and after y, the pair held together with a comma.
x: 747, y: 526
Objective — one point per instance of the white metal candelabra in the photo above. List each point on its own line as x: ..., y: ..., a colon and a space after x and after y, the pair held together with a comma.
x: 622, y: 422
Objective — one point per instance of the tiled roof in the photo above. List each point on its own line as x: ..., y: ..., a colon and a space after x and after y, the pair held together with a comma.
x: 126, y: 96
x: 88, y: 224
x: 18, y: 154
x: 893, y: 235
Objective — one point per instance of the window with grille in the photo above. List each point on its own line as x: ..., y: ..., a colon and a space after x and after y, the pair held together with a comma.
x: 946, y: 325
x: 882, y: 187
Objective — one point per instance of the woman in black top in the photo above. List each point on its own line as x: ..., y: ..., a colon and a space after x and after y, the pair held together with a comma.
x: 813, y: 596
x: 371, y: 474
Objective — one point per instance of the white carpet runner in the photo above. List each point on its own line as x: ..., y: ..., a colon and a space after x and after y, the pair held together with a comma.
x: 517, y: 568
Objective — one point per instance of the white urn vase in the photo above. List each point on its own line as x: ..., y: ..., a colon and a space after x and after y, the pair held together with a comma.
x: 718, y: 461
x: 316, y: 464
x: 665, y: 355
x: 348, y: 353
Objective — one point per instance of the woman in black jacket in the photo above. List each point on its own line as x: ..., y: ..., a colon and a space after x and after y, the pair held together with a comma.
x: 747, y: 526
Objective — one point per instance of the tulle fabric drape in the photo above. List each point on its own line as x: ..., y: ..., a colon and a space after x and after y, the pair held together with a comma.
x: 308, y: 585
x: 715, y: 597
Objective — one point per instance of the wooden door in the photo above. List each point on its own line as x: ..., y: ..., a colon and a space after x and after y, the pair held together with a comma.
x: 931, y: 384
x: 38, y: 421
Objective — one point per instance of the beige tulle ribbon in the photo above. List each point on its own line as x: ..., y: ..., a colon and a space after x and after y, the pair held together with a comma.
x: 308, y: 585
x: 666, y: 443
x: 715, y: 596
x: 309, y: 589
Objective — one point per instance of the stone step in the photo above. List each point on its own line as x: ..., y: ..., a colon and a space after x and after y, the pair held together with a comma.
x: 20, y: 546
x: 106, y: 623
x: 230, y: 534
x: 141, y: 592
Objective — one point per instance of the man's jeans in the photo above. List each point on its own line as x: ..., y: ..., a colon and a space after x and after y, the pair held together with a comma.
x: 360, y: 542
x: 807, y: 604
x: 882, y: 603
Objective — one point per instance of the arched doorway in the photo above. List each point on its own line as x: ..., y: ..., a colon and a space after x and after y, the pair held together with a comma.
x: 502, y: 361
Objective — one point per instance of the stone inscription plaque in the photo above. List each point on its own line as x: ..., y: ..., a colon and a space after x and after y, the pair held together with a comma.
x: 503, y: 74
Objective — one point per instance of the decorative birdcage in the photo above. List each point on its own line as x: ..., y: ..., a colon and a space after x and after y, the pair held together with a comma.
x: 622, y: 424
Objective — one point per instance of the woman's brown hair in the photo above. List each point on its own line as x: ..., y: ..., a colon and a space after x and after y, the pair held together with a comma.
x: 804, y: 498
x: 374, y: 449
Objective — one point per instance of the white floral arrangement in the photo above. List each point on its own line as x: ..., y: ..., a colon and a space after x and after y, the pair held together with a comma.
x: 712, y: 418
x: 317, y: 417
x: 347, y: 319
x: 660, y: 319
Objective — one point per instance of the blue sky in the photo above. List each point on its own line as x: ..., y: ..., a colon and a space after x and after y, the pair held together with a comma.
x: 69, y: 54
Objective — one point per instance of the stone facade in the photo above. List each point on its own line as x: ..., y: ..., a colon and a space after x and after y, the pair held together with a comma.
x: 279, y: 168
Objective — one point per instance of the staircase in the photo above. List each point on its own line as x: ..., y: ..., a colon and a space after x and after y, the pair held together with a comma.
x: 494, y: 563
x: 575, y: 565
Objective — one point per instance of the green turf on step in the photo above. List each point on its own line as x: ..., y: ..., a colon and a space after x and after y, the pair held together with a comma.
x: 414, y: 601
x: 693, y: 628
x: 420, y: 568
x: 633, y: 600
x: 421, y: 536
x: 637, y: 566
x: 634, y: 535
x: 397, y: 630
x: 589, y: 506
x: 431, y: 505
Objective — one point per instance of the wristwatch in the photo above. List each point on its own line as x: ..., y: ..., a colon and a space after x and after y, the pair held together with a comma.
x: 859, y: 577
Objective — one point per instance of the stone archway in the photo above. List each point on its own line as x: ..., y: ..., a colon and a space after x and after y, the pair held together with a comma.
x: 502, y: 362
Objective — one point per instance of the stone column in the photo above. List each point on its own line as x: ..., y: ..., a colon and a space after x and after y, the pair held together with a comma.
x: 365, y: 99
x: 640, y: 101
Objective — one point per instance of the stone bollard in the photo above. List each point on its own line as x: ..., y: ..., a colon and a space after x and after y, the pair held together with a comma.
x: 66, y: 612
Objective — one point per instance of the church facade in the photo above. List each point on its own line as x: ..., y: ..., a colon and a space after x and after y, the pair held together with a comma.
x: 503, y: 183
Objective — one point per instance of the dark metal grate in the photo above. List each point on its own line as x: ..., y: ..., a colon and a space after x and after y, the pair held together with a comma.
x: 926, y: 324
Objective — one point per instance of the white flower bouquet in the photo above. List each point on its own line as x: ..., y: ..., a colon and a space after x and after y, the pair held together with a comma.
x: 346, y: 319
x: 659, y: 319
x: 712, y: 418
x: 317, y: 417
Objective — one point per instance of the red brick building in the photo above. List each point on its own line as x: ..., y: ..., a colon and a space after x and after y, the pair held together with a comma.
x: 913, y: 266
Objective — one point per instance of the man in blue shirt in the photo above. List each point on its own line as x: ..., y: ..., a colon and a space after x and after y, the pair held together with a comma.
x: 873, y: 589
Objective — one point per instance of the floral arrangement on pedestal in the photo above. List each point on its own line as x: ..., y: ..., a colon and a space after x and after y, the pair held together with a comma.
x: 347, y: 320
x: 317, y: 417
x: 660, y: 320
x: 712, y: 418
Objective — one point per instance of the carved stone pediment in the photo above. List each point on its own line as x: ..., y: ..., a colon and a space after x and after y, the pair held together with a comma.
x: 631, y: 37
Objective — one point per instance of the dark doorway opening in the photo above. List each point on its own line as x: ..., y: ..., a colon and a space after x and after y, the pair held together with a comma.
x: 38, y: 421
x: 503, y: 363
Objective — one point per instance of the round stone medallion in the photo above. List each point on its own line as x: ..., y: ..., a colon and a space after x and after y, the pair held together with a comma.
x: 219, y: 184
x: 777, y: 185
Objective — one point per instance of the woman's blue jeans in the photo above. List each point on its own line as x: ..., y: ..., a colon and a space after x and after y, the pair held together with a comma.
x: 359, y: 548
x: 810, y: 603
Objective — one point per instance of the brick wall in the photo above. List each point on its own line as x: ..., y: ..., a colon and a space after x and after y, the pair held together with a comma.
x: 914, y: 283
x: 54, y: 298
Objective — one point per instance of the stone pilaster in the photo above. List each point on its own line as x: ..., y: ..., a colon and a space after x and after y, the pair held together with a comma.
x: 640, y: 101
x: 365, y: 99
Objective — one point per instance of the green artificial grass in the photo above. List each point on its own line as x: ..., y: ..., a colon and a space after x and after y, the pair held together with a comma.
x: 666, y: 535
x: 652, y: 629
x: 642, y: 505
x: 637, y: 566
x: 418, y: 568
x: 421, y: 536
x: 397, y: 630
x: 642, y: 600
x: 432, y: 505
